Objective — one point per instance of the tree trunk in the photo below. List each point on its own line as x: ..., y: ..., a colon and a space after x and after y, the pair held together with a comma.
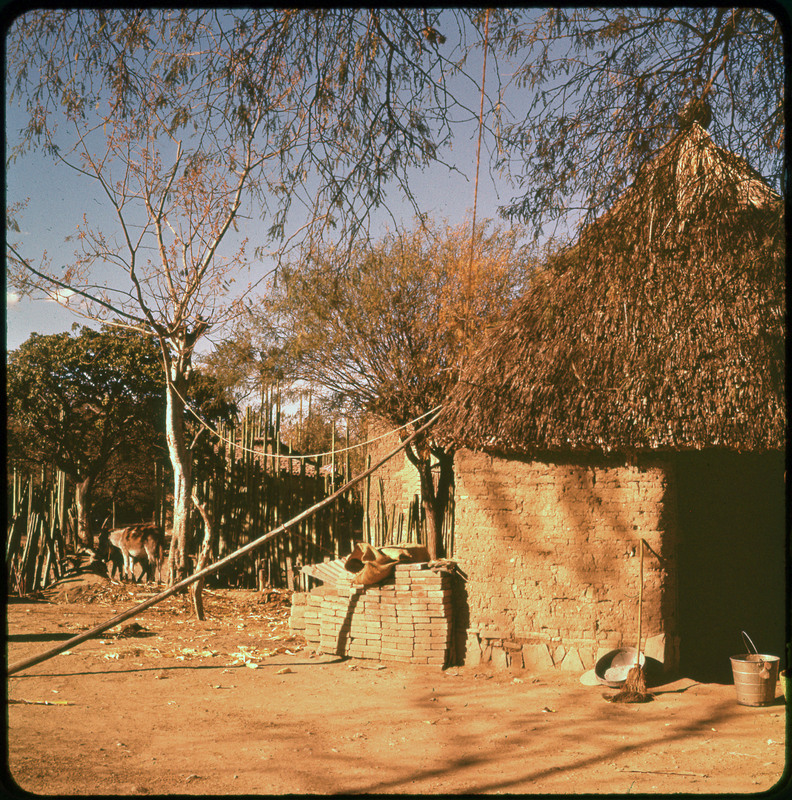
x: 433, y: 533
x: 433, y: 500
x: 82, y: 497
x: 204, y: 557
x: 182, y: 476
x: 442, y: 497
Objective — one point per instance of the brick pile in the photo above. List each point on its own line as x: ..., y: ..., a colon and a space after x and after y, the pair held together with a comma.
x: 405, y: 618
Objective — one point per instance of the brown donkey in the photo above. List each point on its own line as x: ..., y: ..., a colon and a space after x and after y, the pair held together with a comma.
x: 143, y: 543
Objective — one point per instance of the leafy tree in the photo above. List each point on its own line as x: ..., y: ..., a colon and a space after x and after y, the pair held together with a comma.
x: 605, y: 87
x: 387, y: 332
x: 79, y: 401
x: 248, y: 363
x: 182, y: 117
x: 131, y: 482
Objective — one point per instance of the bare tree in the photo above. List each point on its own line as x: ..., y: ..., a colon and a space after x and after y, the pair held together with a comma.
x: 179, y: 117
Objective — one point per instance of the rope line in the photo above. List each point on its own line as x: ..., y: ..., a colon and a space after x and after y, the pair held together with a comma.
x: 287, y: 455
x: 218, y: 565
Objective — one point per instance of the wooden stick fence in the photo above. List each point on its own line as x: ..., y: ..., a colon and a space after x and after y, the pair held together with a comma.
x: 39, y: 517
x: 248, y: 493
x: 212, y: 568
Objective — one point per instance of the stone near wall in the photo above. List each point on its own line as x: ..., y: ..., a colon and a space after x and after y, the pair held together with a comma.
x: 558, y: 654
x: 601, y: 652
x: 516, y: 663
x: 654, y: 647
x: 472, y: 650
x: 493, y: 633
x: 664, y: 648
x: 536, y: 657
x: 587, y: 656
x: 572, y: 662
x: 499, y: 658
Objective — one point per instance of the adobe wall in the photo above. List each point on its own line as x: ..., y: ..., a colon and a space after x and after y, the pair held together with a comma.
x: 551, y: 553
x: 399, y: 477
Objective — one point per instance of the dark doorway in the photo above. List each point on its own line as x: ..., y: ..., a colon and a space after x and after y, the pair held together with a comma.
x: 731, y: 567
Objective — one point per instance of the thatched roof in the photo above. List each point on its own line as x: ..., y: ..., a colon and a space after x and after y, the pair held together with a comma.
x: 661, y: 328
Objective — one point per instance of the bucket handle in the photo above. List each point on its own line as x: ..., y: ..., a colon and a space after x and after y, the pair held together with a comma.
x: 746, y: 640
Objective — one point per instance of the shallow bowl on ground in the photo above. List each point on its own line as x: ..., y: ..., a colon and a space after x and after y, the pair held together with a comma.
x: 611, y: 670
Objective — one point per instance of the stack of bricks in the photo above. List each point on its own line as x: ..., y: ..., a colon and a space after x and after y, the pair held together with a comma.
x: 405, y: 618
x: 306, y: 613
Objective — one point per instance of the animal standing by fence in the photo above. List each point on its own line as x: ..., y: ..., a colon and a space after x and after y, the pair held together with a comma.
x: 143, y: 543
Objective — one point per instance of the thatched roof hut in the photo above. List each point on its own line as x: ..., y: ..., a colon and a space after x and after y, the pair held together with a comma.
x: 662, y: 328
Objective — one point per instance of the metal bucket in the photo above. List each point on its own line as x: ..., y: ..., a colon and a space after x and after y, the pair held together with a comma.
x: 755, y: 677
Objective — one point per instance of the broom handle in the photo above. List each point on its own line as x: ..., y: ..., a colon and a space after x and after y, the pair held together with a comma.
x: 640, y: 609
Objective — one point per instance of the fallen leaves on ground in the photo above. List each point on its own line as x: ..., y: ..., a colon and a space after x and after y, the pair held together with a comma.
x: 231, y: 615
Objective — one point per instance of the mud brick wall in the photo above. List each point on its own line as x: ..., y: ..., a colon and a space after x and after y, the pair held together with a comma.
x: 406, y: 618
x: 399, y: 477
x: 551, y: 553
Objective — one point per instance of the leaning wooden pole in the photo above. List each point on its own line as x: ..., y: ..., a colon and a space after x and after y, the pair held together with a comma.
x: 212, y: 568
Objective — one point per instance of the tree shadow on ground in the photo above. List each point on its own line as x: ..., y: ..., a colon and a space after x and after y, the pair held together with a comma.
x: 511, y: 752
x: 174, y: 668
x: 39, y: 637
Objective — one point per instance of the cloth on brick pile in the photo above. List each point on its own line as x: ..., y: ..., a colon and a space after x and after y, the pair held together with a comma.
x: 373, y: 564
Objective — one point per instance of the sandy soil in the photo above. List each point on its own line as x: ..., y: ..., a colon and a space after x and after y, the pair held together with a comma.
x: 234, y: 705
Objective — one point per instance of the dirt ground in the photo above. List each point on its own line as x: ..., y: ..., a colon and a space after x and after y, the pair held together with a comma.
x: 235, y: 705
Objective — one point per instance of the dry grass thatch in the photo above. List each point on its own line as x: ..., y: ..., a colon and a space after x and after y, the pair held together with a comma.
x: 661, y: 328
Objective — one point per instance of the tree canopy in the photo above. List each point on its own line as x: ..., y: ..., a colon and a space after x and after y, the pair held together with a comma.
x: 388, y: 332
x: 185, y: 119
x: 77, y: 401
x: 80, y: 394
x: 324, y: 107
x: 91, y: 404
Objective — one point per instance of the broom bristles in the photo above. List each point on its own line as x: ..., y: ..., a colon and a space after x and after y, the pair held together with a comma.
x: 636, y: 680
x: 625, y: 696
x: 634, y: 690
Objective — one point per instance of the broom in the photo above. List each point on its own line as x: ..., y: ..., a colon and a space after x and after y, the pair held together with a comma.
x: 636, y: 679
x: 634, y: 690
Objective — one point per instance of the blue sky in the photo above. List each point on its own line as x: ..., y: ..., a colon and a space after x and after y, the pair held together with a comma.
x: 58, y: 197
